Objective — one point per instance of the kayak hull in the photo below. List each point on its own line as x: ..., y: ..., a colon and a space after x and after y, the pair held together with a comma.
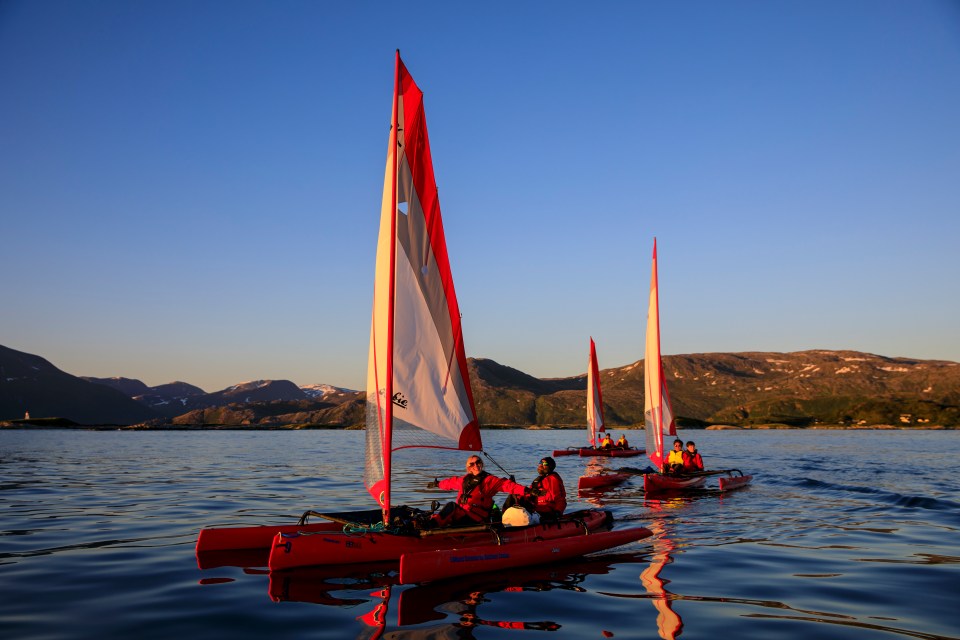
x: 215, y: 539
x: 260, y: 537
x: 655, y: 482
x: 602, y: 480
x: 565, y: 452
x: 734, y: 482
x: 305, y: 549
x: 442, y: 564
x: 612, y: 453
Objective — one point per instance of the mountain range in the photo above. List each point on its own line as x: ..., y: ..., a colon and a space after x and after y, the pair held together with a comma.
x: 799, y: 389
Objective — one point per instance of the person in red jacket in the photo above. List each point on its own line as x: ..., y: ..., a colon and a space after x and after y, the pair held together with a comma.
x: 546, y: 495
x: 691, y: 458
x: 475, y: 491
x: 548, y: 491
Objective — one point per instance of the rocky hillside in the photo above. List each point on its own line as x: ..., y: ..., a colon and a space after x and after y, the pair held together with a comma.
x: 168, y: 400
x: 30, y: 384
x: 797, y: 389
x: 346, y: 410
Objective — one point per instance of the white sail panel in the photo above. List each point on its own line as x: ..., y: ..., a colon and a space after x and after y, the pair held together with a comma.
x: 377, y: 361
x: 423, y: 394
x: 667, y: 423
x: 428, y: 389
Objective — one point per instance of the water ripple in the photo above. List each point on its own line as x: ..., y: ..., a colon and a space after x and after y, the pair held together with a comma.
x: 98, y: 523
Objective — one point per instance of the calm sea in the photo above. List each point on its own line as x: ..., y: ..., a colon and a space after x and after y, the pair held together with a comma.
x: 843, y: 534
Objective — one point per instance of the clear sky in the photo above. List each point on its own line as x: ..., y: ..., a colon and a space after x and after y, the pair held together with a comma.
x: 190, y: 190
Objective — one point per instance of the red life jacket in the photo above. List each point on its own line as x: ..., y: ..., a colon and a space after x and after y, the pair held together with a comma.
x: 692, y: 461
x: 476, y: 492
x: 550, y: 492
x: 471, y: 498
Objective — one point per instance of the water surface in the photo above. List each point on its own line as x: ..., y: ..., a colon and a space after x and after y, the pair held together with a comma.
x: 843, y: 534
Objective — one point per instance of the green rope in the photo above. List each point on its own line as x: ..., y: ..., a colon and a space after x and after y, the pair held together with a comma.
x: 360, y: 529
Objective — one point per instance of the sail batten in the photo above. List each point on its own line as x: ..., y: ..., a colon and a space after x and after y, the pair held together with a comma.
x: 418, y: 384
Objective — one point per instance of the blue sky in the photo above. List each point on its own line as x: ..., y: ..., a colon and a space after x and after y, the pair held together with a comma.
x: 190, y: 190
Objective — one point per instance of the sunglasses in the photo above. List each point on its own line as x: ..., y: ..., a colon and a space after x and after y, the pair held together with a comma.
x: 474, y: 464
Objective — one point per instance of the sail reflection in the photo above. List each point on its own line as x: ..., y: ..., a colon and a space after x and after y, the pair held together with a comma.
x: 669, y: 623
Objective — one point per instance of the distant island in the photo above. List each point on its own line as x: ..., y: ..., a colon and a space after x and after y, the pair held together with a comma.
x: 752, y: 390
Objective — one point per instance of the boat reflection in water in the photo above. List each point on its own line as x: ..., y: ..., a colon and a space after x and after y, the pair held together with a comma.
x: 444, y: 609
x: 669, y: 623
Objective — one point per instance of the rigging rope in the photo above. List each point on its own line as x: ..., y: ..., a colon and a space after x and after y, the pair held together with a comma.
x: 498, y: 464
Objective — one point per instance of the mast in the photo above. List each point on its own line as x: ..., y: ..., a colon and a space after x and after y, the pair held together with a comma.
x: 388, y: 417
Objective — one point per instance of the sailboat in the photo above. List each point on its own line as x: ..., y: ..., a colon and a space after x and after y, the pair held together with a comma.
x: 659, y: 420
x: 595, y: 426
x: 595, y: 420
x: 418, y: 395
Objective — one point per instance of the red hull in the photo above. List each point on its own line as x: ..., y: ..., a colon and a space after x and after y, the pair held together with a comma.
x: 290, y: 551
x: 259, y: 537
x: 217, y: 539
x: 654, y: 482
x: 613, y: 453
x: 443, y: 564
x: 603, y: 480
x: 734, y: 482
x: 565, y: 452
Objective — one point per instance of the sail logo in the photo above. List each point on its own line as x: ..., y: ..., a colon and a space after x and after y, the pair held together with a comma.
x: 399, y: 400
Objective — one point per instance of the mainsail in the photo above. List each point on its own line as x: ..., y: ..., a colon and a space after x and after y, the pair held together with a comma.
x: 418, y: 386
x: 657, y: 412
x: 594, y: 398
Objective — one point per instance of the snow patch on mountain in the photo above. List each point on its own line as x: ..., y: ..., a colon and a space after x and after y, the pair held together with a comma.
x: 321, y: 391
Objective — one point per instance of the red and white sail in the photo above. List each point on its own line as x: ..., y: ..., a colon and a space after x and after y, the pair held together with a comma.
x: 595, y: 424
x: 418, y: 387
x: 657, y: 412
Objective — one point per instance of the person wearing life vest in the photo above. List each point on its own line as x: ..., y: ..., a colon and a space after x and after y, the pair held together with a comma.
x: 475, y: 491
x: 691, y: 458
x: 548, y: 491
x: 546, y: 495
x: 606, y: 443
x: 622, y: 442
x: 675, y: 459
